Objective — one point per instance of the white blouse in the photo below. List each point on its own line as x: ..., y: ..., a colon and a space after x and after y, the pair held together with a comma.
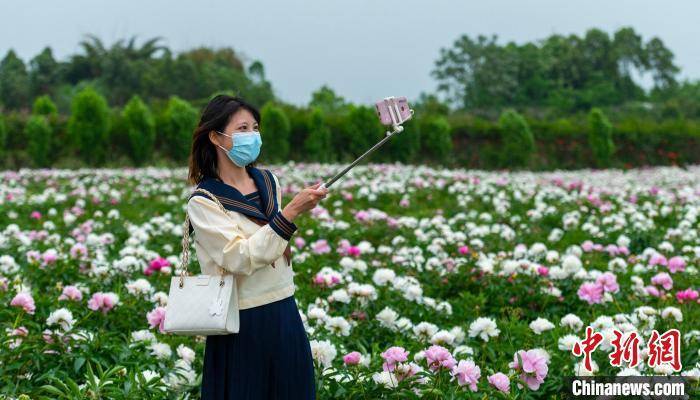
x: 244, y: 248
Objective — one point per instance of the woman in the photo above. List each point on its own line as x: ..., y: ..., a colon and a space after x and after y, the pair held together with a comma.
x: 270, y: 356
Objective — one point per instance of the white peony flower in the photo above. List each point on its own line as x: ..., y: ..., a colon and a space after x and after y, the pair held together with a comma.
x: 323, y: 352
x: 540, y: 325
x: 185, y: 353
x: 62, y: 317
x: 161, y: 350
x: 338, y: 325
x: 387, y: 318
x: 567, y: 342
x: 382, y: 276
x: 483, y: 328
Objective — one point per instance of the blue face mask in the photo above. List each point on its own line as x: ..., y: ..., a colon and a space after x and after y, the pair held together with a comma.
x: 245, y: 149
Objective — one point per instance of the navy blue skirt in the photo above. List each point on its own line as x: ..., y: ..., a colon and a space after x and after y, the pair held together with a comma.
x: 269, y: 358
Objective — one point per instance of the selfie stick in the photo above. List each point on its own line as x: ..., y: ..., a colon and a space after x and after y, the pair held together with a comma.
x: 396, y: 124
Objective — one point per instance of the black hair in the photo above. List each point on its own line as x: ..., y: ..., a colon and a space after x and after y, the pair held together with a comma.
x: 215, y: 117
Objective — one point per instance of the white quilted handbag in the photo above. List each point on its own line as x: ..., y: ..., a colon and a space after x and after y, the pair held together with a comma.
x: 201, y: 304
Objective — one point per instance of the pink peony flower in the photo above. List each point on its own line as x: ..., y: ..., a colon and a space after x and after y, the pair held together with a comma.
x: 500, y: 381
x: 587, y: 246
x: 542, y: 270
x: 71, y: 293
x: 78, y: 250
x: 463, y: 250
x: 609, y: 282
x: 657, y: 259
x: 439, y: 357
x: 591, y: 292
x: 687, y: 295
x: 533, y: 370
x: 362, y: 216
x: 102, y: 301
x: 354, y: 251
x: 676, y: 264
x: 49, y: 257
x: 156, y: 265
x: 662, y: 279
x: 35, y: 215
x: 20, y: 331
x: 467, y: 373
x: 652, y: 291
x: 352, y: 358
x: 392, y: 356
x: 320, y: 246
x: 24, y: 300
x: 299, y: 242
x: 156, y: 317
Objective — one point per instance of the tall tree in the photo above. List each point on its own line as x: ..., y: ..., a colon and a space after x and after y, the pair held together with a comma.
x: 88, y: 125
x: 14, y: 82
x: 44, y: 73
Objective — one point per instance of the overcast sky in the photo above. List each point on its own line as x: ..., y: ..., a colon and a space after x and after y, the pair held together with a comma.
x: 363, y: 49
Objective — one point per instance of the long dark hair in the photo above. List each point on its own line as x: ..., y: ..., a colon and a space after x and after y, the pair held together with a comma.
x: 216, y: 116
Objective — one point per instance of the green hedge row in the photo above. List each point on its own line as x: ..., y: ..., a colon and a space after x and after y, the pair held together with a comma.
x: 565, y: 143
x: 160, y: 133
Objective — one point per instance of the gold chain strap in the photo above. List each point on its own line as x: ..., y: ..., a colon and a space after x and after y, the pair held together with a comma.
x: 184, y: 263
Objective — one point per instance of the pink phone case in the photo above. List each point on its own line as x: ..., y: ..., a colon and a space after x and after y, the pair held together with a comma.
x: 383, y: 110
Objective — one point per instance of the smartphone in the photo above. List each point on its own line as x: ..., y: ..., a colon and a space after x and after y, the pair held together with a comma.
x: 393, y: 110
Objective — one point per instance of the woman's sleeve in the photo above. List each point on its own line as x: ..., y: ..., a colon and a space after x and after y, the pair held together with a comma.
x: 224, y: 242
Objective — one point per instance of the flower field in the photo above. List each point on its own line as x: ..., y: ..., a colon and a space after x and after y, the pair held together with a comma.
x: 413, y: 282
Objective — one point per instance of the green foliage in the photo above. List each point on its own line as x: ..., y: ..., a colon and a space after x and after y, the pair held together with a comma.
x: 178, y: 123
x: 3, y: 136
x: 327, y: 100
x: 89, y: 124
x: 318, y: 144
x: 435, y: 138
x: 44, y: 106
x: 516, y: 138
x: 274, y: 128
x: 39, y: 138
x: 600, y: 137
x: 44, y: 73
x: 14, y: 82
x: 405, y: 146
x: 361, y: 131
x: 140, y: 128
x: 124, y: 69
x: 567, y: 72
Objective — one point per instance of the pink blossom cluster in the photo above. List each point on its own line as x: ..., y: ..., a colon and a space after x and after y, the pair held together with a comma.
x: 687, y: 295
x: 659, y: 282
x: 592, y: 292
x: 103, y: 302
x: 674, y: 264
x: 156, y: 317
x: 534, y: 367
x: 156, y: 265
x: 25, y: 301
x: 611, y: 249
x: 466, y: 372
x: 346, y: 249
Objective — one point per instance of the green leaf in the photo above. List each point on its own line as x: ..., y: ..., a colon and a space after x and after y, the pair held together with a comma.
x: 78, y: 363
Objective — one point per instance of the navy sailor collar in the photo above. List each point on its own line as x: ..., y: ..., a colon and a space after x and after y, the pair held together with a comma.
x: 232, y: 199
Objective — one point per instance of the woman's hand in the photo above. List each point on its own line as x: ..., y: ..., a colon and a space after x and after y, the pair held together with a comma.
x: 304, y: 201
